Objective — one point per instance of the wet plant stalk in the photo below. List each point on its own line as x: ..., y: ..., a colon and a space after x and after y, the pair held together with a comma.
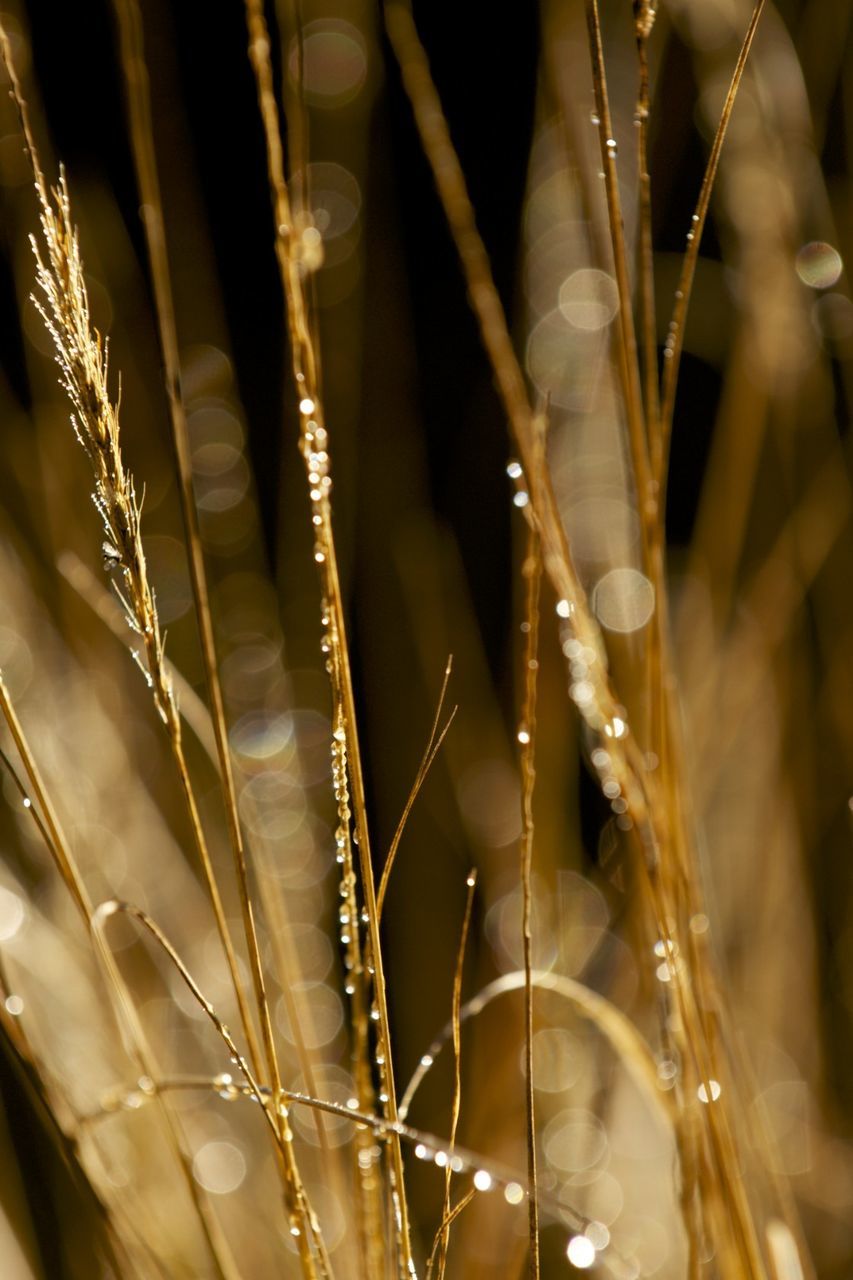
x: 660, y: 839
x: 314, y: 448
x: 456, y: 1105
x: 527, y: 738
x: 141, y: 129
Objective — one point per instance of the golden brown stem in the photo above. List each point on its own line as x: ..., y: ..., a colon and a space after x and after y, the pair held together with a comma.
x: 313, y: 442
x: 675, y: 338
x: 436, y: 738
x: 456, y: 1104
x: 527, y: 736
x: 627, y: 358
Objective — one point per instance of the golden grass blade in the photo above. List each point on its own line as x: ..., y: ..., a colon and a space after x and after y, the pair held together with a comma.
x: 270, y: 1103
x: 82, y: 358
x: 468, y: 1161
x: 675, y: 337
x: 542, y: 508
x: 443, y: 1233
x: 618, y: 1030
x: 644, y: 18
x: 139, y: 110
x: 314, y: 440
x: 439, y: 1244
x: 527, y: 739
x: 436, y: 738
x: 627, y: 358
x: 104, y: 912
x: 661, y: 840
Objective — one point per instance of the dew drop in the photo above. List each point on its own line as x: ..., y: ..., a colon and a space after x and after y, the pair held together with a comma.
x: 581, y: 1252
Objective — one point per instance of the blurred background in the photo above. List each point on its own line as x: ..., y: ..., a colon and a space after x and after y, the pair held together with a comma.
x: 758, y: 525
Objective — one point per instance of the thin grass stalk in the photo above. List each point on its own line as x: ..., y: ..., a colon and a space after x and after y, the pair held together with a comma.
x: 262, y: 1096
x: 194, y: 712
x: 527, y: 739
x: 675, y: 337
x: 494, y: 332
x: 314, y: 441
x: 603, y: 711
x: 83, y: 361
x: 138, y: 1047
x: 626, y: 348
x: 644, y: 17
x: 84, y: 366
x: 500, y: 1175
x: 664, y: 714
x: 434, y: 743
x: 612, y: 1025
x: 113, y: 907
x: 627, y: 763
x: 456, y: 1104
x: 369, y: 1208
x: 439, y: 1244
x: 141, y: 131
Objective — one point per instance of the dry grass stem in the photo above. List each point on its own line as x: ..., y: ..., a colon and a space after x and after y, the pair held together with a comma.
x: 456, y: 1103
x: 314, y: 447
x: 436, y: 738
x: 139, y: 110
x: 439, y: 1244
x: 675, y: 336
x: 532, y: 570
x: 626, y: 347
